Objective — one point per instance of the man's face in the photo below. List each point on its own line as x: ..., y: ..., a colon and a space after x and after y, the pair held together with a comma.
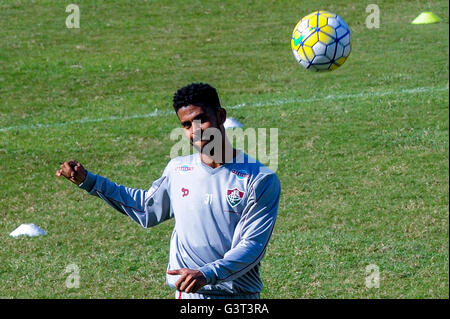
x: 195, y: 120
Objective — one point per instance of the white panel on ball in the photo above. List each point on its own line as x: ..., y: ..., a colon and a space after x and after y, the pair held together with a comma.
x: 333, y: 22
x: 319, y: 48
x: 297, y: 57
x: 339, y: 51
x: 305, y: 64
x: 321, y: 59
x: 302, y: 27
x: 330, y: 50
x: 322, y: 66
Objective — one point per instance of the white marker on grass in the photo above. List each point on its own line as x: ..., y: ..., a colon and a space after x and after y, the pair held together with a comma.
x: 231, y: 122
x: 27, y: 230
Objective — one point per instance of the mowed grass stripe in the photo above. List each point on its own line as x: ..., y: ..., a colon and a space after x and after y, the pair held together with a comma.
x: 157, y: 113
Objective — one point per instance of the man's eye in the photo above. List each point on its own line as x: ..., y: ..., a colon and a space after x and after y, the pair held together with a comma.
x: 186, y: 125
x: 202, y: 118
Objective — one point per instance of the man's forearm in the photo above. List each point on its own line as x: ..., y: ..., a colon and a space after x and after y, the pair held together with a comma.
x: 130, y: 201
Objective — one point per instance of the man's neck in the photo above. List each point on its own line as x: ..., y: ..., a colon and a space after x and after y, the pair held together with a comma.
x: 228, y: 155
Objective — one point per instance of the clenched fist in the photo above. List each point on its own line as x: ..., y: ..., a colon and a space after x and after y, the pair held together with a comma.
x: 73, y: 171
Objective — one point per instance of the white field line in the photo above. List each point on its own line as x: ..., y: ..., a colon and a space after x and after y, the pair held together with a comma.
x: 157, y: 113
x: 343, y: 96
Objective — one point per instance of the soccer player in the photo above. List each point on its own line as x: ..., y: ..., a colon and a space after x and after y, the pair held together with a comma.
x: 224, y: 203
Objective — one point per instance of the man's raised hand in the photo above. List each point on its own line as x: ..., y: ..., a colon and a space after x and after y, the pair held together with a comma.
x: 73, y: 171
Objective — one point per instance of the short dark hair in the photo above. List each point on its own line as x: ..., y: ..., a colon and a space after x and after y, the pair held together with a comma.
x: 198, y: 94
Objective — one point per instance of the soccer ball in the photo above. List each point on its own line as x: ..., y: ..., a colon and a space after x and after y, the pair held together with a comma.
x: 321, y: 41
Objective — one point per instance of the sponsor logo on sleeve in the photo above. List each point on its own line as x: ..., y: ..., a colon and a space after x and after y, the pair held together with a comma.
x: 241, y: 174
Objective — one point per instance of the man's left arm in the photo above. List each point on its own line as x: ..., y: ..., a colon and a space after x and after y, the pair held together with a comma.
x: 253, y: 231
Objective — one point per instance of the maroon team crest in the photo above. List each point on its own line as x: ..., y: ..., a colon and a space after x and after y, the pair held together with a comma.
x: 234, y: 196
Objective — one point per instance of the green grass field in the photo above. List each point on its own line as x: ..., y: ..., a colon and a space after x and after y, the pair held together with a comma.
x: 363, y: 150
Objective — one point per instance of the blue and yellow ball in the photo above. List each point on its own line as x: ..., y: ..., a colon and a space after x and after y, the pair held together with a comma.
x: 321, y: 41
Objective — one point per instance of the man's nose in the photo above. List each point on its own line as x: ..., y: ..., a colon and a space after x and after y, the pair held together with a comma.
x: 196, y: 130
x: 196, y: 125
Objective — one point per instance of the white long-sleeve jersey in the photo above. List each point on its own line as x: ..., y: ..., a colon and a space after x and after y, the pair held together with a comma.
x: 224, y: 217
